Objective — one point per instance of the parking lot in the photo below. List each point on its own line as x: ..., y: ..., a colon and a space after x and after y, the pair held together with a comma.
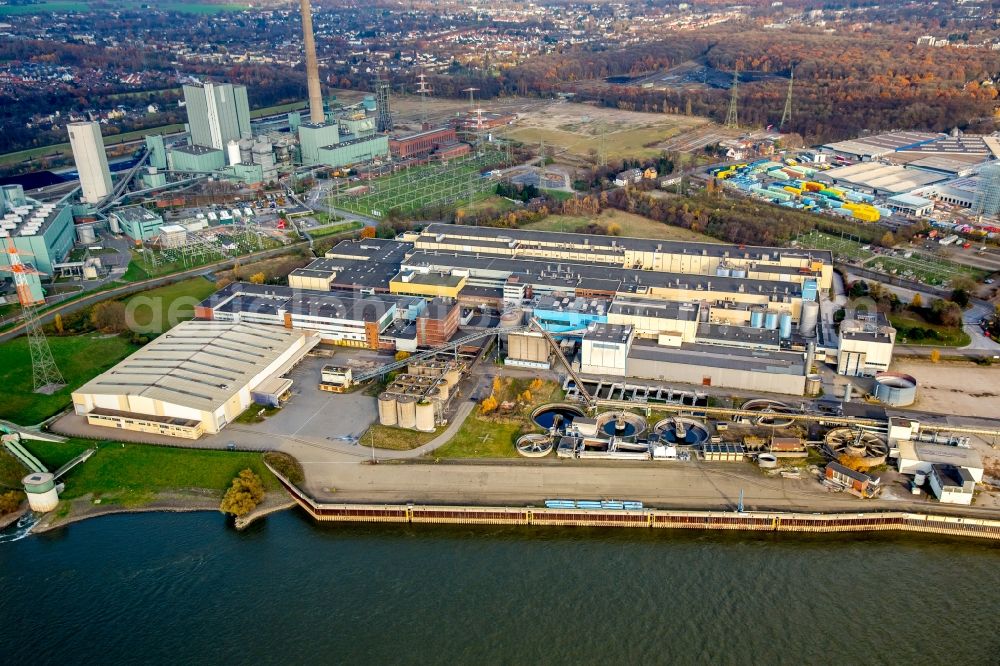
x: 317, y: 415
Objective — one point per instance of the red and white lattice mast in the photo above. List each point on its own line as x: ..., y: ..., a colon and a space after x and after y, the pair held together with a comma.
x: 46, y: 375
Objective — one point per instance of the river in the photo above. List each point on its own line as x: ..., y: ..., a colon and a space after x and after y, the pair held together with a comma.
x: 186, y: 588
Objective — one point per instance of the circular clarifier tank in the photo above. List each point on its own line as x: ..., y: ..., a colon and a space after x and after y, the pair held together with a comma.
x: 559, y: 415
x: 681, y: 430
x: 620, y: 424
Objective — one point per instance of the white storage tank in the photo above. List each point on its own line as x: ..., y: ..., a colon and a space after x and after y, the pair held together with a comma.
x: 809, y: 318
x: 40, y: 487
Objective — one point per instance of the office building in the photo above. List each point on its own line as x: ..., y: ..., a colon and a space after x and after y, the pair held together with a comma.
x: 91, y: 160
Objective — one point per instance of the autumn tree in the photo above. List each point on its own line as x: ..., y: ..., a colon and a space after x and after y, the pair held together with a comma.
x: 9, y: 502
x: 59, y: 324
x: 245, y: 493
x: 853, y: 462
x: 488, y: 405
x: 402, y: 355
x: 525, y: 396
x: 258, y: 278
x: 917, y: 302
x: 535, y: 384
x: 368, y: 232
x: 935, y: 355
x: 109, y: 317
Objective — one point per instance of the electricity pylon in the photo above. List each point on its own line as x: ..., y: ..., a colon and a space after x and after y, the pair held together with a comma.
x: 732, y: 118
x: 786, y: 115
x: 45, y: 374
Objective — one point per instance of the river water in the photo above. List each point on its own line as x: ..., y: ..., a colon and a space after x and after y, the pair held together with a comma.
x: 186, y: 588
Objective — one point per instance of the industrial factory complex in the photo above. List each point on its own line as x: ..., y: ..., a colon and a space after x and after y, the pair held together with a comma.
x: 703, y: 314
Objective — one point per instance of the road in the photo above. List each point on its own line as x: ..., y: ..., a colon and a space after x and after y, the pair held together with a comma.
x: 134, y: 287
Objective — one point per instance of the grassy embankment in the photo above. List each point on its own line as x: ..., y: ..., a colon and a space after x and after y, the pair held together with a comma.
x: 334, y: 228
x: 80, y: 358
x: 493, y: 435
x: 132, y: 475
x: 630, y: 224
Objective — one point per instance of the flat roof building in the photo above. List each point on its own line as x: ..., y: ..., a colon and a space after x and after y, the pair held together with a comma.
x: 193, y: 379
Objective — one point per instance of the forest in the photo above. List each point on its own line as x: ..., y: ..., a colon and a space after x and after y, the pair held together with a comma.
x: 844, y: 83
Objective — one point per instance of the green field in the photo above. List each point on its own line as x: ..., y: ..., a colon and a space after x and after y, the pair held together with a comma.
x: 80, y: 358
x: 43, y: 8
x: 932, y: 335
x: 479, y: 438
x: 170, y: 304
x: 132, y: 474
x: 183, y: 7
x: 335, y: 228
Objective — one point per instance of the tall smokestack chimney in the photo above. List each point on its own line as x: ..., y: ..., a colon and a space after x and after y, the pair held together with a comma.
x: 312, y: 65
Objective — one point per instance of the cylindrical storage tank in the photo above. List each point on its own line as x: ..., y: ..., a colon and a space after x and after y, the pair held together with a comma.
x: 509, y: 319
x: 425, y: 416
x: 814, y: 384
x: 40, y: 487
x: 85, y: 234
x: 919, y: 478
x: 739, y: 272
x: 387, y: 409
x: 722, y: 271
x: 441, y: 391
x: 810, y: 315
x: 895, y: 389
x: 767, y: 461
x: 785, y: 326
x: 771, y: 320
x: 757, y: 318
x: 406, y: 411
x: 233, y: 152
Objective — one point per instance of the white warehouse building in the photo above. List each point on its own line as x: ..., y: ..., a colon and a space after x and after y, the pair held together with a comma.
x: 192, y: 380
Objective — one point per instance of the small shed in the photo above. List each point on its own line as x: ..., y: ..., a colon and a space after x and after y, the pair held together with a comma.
x: 272, y: 391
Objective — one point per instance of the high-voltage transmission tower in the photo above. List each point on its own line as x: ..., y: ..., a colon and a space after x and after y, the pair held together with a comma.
x: 383, y: 118
x: 45, y: 374
x: 732, y: 118
x: 423, y: 89
x: 786, y: 115
x: 602, y: 144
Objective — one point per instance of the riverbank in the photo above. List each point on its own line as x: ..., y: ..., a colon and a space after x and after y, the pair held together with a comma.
x: 755, y: 521
x: 84, y: 508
